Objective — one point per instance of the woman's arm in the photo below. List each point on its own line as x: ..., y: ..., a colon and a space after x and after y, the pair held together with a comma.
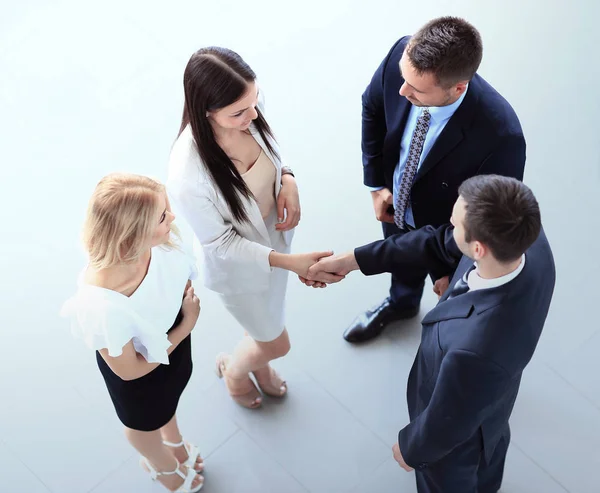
x: 130, y: 364
x: 288, y: 204
x: 239, y: 257
x: 301, y: 262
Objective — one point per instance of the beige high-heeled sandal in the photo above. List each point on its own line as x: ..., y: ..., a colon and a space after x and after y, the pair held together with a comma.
x: 188, y: 479
x: 275, y: 386
x: 249, y: 396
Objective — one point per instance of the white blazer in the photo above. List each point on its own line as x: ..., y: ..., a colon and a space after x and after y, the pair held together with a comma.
x: 236, y: 254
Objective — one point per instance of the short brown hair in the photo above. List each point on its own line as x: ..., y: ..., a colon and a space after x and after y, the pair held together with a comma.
x: 502, y: 213
x: 448, y: 47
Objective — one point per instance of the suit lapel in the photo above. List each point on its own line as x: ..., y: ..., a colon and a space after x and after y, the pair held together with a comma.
x: 464, y: 305
x: 454, y: 131
x: 397, y: 130
x: 463, y: 267
x: 459, y: 307
x: 448, y: 140
x: 256, y: 218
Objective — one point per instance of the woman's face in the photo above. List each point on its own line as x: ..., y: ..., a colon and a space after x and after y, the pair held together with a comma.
x: 163, y: 220
x: 239, y: 115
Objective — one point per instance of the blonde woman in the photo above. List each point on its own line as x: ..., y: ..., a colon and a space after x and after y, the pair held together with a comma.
x: 228, y: 181
x: 136, y: 307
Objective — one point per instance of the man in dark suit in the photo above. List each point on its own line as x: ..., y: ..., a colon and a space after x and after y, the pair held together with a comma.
x: 478, y: 339
x: 445, y: 125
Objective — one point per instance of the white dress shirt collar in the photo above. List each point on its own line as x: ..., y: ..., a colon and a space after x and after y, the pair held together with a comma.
x: 475, y: 281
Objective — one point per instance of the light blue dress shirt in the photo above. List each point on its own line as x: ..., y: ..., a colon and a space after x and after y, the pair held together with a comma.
x: 439, y: 117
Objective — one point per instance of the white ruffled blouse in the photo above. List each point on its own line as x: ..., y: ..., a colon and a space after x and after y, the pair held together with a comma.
x: 107, y: 319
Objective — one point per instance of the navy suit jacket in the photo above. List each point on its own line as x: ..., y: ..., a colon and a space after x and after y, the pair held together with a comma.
x: 474, y: 347
x: 483, y: 136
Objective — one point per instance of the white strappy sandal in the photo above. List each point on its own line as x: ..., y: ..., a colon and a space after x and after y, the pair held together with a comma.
x: 186, y: 487
x: 192, y: 451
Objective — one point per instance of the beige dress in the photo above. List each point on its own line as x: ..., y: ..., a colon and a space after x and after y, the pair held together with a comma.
x: 263, y: 316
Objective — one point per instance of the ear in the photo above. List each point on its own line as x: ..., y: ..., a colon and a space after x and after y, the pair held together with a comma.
x: 479, y: 250
x: 461, y: 87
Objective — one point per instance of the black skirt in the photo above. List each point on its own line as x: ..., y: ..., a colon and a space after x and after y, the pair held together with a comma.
x: 148, y: 403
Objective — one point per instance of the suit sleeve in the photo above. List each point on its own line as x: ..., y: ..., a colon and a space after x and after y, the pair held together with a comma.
x: 466, y: 389
x: 374, y: 127
x: 508, y: 159
x: 411, y: 255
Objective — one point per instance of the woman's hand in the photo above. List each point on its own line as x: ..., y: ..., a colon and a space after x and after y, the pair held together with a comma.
x: 288, y: 204
x: 190, y: 308
x: 300, y: 263
x: 313, y: 284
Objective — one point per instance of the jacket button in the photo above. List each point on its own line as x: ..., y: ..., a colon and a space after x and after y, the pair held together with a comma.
x: 444, y: 184
x: 422, y: 465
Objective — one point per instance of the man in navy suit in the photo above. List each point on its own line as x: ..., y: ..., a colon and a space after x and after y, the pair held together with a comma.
x: 429, y: 122
x: 478, y: 339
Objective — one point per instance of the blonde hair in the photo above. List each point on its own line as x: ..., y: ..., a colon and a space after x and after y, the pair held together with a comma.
x: 121, y: 219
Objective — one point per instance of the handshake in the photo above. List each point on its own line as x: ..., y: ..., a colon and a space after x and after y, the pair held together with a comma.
x: 316, y: 269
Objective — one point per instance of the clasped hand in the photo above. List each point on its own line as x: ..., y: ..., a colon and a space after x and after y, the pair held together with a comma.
x: 318, y: 269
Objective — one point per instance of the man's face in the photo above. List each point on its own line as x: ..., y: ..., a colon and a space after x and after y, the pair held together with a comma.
x: 458, y: 217
x: 423, y: 89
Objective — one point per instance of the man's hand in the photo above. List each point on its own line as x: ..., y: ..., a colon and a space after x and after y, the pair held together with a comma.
x: 383, y: 200
x: 328, y: 268
x: 288, y: 204
x: 441, y: 285
x: 301, y: 263
x: 314, y: 284
x: 399, y: 459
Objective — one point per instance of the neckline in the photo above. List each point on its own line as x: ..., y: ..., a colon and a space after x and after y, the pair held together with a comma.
x: 479, y: 282
x: 253, y: 165
x: 139, y: 286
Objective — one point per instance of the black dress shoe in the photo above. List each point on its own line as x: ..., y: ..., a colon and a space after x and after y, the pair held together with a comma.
x: 371, y: 323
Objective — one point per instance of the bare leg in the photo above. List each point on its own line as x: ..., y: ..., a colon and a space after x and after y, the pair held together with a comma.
x: 250, y: 355
x: 149, y: 444
x: 254, y: 356
x: 170, y: 433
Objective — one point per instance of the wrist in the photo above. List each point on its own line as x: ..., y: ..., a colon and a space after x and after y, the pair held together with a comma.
x: 185, y: 326
x: 177, y: 334
x: 350, y: 262
x: 287, y: 178
x: 280, y: 260
x: 379, y: 191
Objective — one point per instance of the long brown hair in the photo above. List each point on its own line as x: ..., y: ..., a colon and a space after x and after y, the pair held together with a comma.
x: 214, y: 78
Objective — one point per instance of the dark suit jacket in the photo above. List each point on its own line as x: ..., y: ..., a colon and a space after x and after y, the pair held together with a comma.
x: 483, y: 136
x: 474, y: 347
